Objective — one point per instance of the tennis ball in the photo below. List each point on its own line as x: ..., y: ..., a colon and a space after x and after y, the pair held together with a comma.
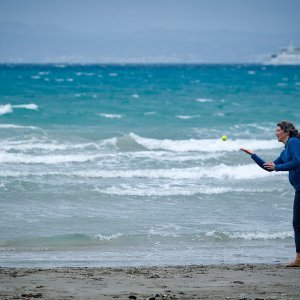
x: 224, y: 138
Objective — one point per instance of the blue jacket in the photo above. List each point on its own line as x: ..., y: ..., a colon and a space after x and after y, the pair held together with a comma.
x: 289, y: 160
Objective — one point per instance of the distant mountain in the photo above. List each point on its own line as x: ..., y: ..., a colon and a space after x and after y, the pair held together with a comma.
x: 52, y: 44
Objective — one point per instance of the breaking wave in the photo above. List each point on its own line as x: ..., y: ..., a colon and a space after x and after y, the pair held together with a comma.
x: 203, y: 145
x: 220, y: 171
x: 8, y: 108
x: 73, y: 241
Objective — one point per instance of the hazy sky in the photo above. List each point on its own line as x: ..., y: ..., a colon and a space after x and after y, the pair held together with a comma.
x: 127, y: 15
x: 100, y: 17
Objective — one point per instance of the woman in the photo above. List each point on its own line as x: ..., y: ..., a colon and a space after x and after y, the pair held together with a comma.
x: 289, y: 160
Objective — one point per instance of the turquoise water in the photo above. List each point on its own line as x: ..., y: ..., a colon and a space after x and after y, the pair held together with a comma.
x: 123, y: 165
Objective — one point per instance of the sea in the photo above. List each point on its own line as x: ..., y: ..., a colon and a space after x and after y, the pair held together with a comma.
x: 124, y: 165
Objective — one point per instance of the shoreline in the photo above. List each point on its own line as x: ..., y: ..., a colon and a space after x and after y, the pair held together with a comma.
x: 221, y: 281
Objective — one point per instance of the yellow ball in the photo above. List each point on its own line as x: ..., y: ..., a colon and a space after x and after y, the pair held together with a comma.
x: 224, y: 138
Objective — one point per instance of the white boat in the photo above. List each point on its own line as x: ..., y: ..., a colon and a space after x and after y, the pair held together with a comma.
x: 286, y: 56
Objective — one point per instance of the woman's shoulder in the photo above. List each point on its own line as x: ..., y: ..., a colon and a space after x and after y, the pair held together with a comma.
x: 293, y: 141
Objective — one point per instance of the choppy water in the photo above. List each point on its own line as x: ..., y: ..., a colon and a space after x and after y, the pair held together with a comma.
x: 124, y: 165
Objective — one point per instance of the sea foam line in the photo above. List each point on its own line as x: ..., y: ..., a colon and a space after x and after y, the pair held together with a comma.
x: 217, y: 172
x: 13, y: 126
x: 171, y: 232
x: 13, y: 158
x: 167, y: 156
x: 239, y: 172
x: 203, y: 145
x: 34, y: 144
x: 30, y: 106
x: 168, y: 190
x: 50, y: 156
x: 250, y: 235
x: 108, y: 237
x: 187, y: 117
x: 110, y: 116
x: 204, y: 100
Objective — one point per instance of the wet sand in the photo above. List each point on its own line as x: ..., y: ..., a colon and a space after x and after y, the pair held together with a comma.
x: 242, y: 281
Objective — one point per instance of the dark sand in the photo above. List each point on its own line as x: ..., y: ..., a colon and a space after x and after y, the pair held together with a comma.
x: 243, y: 281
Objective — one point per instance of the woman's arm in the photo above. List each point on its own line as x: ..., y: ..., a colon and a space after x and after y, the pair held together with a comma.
x: 266, y: 166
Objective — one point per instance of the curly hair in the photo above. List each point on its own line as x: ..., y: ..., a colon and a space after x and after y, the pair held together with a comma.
x: 289, y: 128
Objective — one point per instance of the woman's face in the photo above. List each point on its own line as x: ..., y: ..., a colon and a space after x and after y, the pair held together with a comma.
x: 282, y: 136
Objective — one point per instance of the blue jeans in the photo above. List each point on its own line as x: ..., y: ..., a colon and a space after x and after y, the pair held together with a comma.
x: 296, y: 220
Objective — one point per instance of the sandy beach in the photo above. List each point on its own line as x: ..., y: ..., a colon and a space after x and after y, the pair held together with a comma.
x: 242, y: 281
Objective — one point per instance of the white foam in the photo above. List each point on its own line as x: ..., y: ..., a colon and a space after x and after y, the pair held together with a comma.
x: 188, y: 117
x: 35, y: 144
x: 164, y: 156
x: 108, y: 237
x: 5, y: 109
x: 23, y: 173
x: 111, y: 116
x: 223, y: 172
x: 135, y: 96
x: 31, y: 145
x: 250, y: 171
x: 223, y: 235
x: 148, y: 113
x: 13, y: 158
x: 239, y: 172
x: 169, y: 190
x: 204, y: 100
x: 204, y: 145
x: 13, y: 126
x: 261, y: 235
x: 8, y: 108
x: 31, y: 106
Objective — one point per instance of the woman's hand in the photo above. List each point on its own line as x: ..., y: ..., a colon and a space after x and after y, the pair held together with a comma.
x: 269, y: 166
x: 250, y: 152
